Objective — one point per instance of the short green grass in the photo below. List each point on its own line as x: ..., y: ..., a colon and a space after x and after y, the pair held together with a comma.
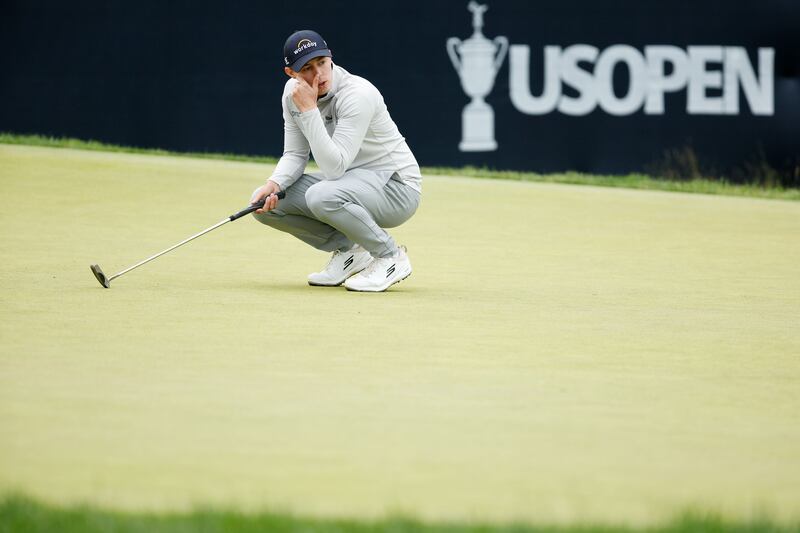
x: 80, y: 144
x: 23, y: 515
x: 629, y: 181
x: 561, y: 355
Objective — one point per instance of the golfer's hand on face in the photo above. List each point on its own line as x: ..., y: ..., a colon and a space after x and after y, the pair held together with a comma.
x: 305, y: 95
x: 267, y: 191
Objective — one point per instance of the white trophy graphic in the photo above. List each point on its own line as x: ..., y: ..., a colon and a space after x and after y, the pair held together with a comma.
x: 477, y: 61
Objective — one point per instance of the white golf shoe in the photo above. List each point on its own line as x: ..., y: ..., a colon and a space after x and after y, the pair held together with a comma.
x: 341, y: 266
x: 381, y: 273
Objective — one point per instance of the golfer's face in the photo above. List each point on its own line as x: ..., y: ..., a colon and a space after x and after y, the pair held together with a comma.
x: 321, y: 66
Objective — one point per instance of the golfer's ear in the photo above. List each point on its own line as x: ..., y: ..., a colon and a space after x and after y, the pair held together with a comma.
x: 289, y: 72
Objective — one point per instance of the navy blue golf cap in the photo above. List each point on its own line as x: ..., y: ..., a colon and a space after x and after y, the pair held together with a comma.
x: 301, y: 47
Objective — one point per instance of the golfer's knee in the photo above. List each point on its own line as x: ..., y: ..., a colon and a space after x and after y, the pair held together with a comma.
x: 322, y: 197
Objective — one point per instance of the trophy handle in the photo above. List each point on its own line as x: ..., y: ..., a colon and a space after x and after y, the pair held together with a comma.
x: 502, y: 42
x: 452, y: 44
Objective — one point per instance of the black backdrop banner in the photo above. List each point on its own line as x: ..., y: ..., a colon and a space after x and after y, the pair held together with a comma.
x: 545, y: 86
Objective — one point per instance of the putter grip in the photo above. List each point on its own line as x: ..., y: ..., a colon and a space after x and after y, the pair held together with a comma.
x: 253, y: 207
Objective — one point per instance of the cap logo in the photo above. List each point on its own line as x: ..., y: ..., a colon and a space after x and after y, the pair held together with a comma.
x: 304, y: 44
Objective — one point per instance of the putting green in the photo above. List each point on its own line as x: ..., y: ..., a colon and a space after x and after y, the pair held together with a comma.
x: 560, y: 354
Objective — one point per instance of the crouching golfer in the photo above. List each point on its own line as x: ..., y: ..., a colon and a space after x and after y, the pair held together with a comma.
x: 368, y: 180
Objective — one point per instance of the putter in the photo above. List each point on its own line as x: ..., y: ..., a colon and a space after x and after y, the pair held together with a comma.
x: 105, y: 281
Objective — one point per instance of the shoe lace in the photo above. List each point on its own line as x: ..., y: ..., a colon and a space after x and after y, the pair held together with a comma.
x: 336, y: 254
x: 373, y: 266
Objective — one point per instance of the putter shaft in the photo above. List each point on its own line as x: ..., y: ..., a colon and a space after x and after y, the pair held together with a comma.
x: 246, y: 211
x: 159, y: 254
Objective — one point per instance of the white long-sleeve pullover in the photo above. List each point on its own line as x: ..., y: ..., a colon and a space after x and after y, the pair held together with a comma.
x: 350, y: 128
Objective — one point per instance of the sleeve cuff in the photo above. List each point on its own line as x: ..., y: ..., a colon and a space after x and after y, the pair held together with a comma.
x: 282, y: 182
x: 307, y: 117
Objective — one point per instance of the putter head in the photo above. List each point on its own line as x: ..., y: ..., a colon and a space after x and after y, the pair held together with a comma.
x: 98, y: 273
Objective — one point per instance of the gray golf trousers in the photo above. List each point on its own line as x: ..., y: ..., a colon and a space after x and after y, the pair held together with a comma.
x: 334, y: 214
